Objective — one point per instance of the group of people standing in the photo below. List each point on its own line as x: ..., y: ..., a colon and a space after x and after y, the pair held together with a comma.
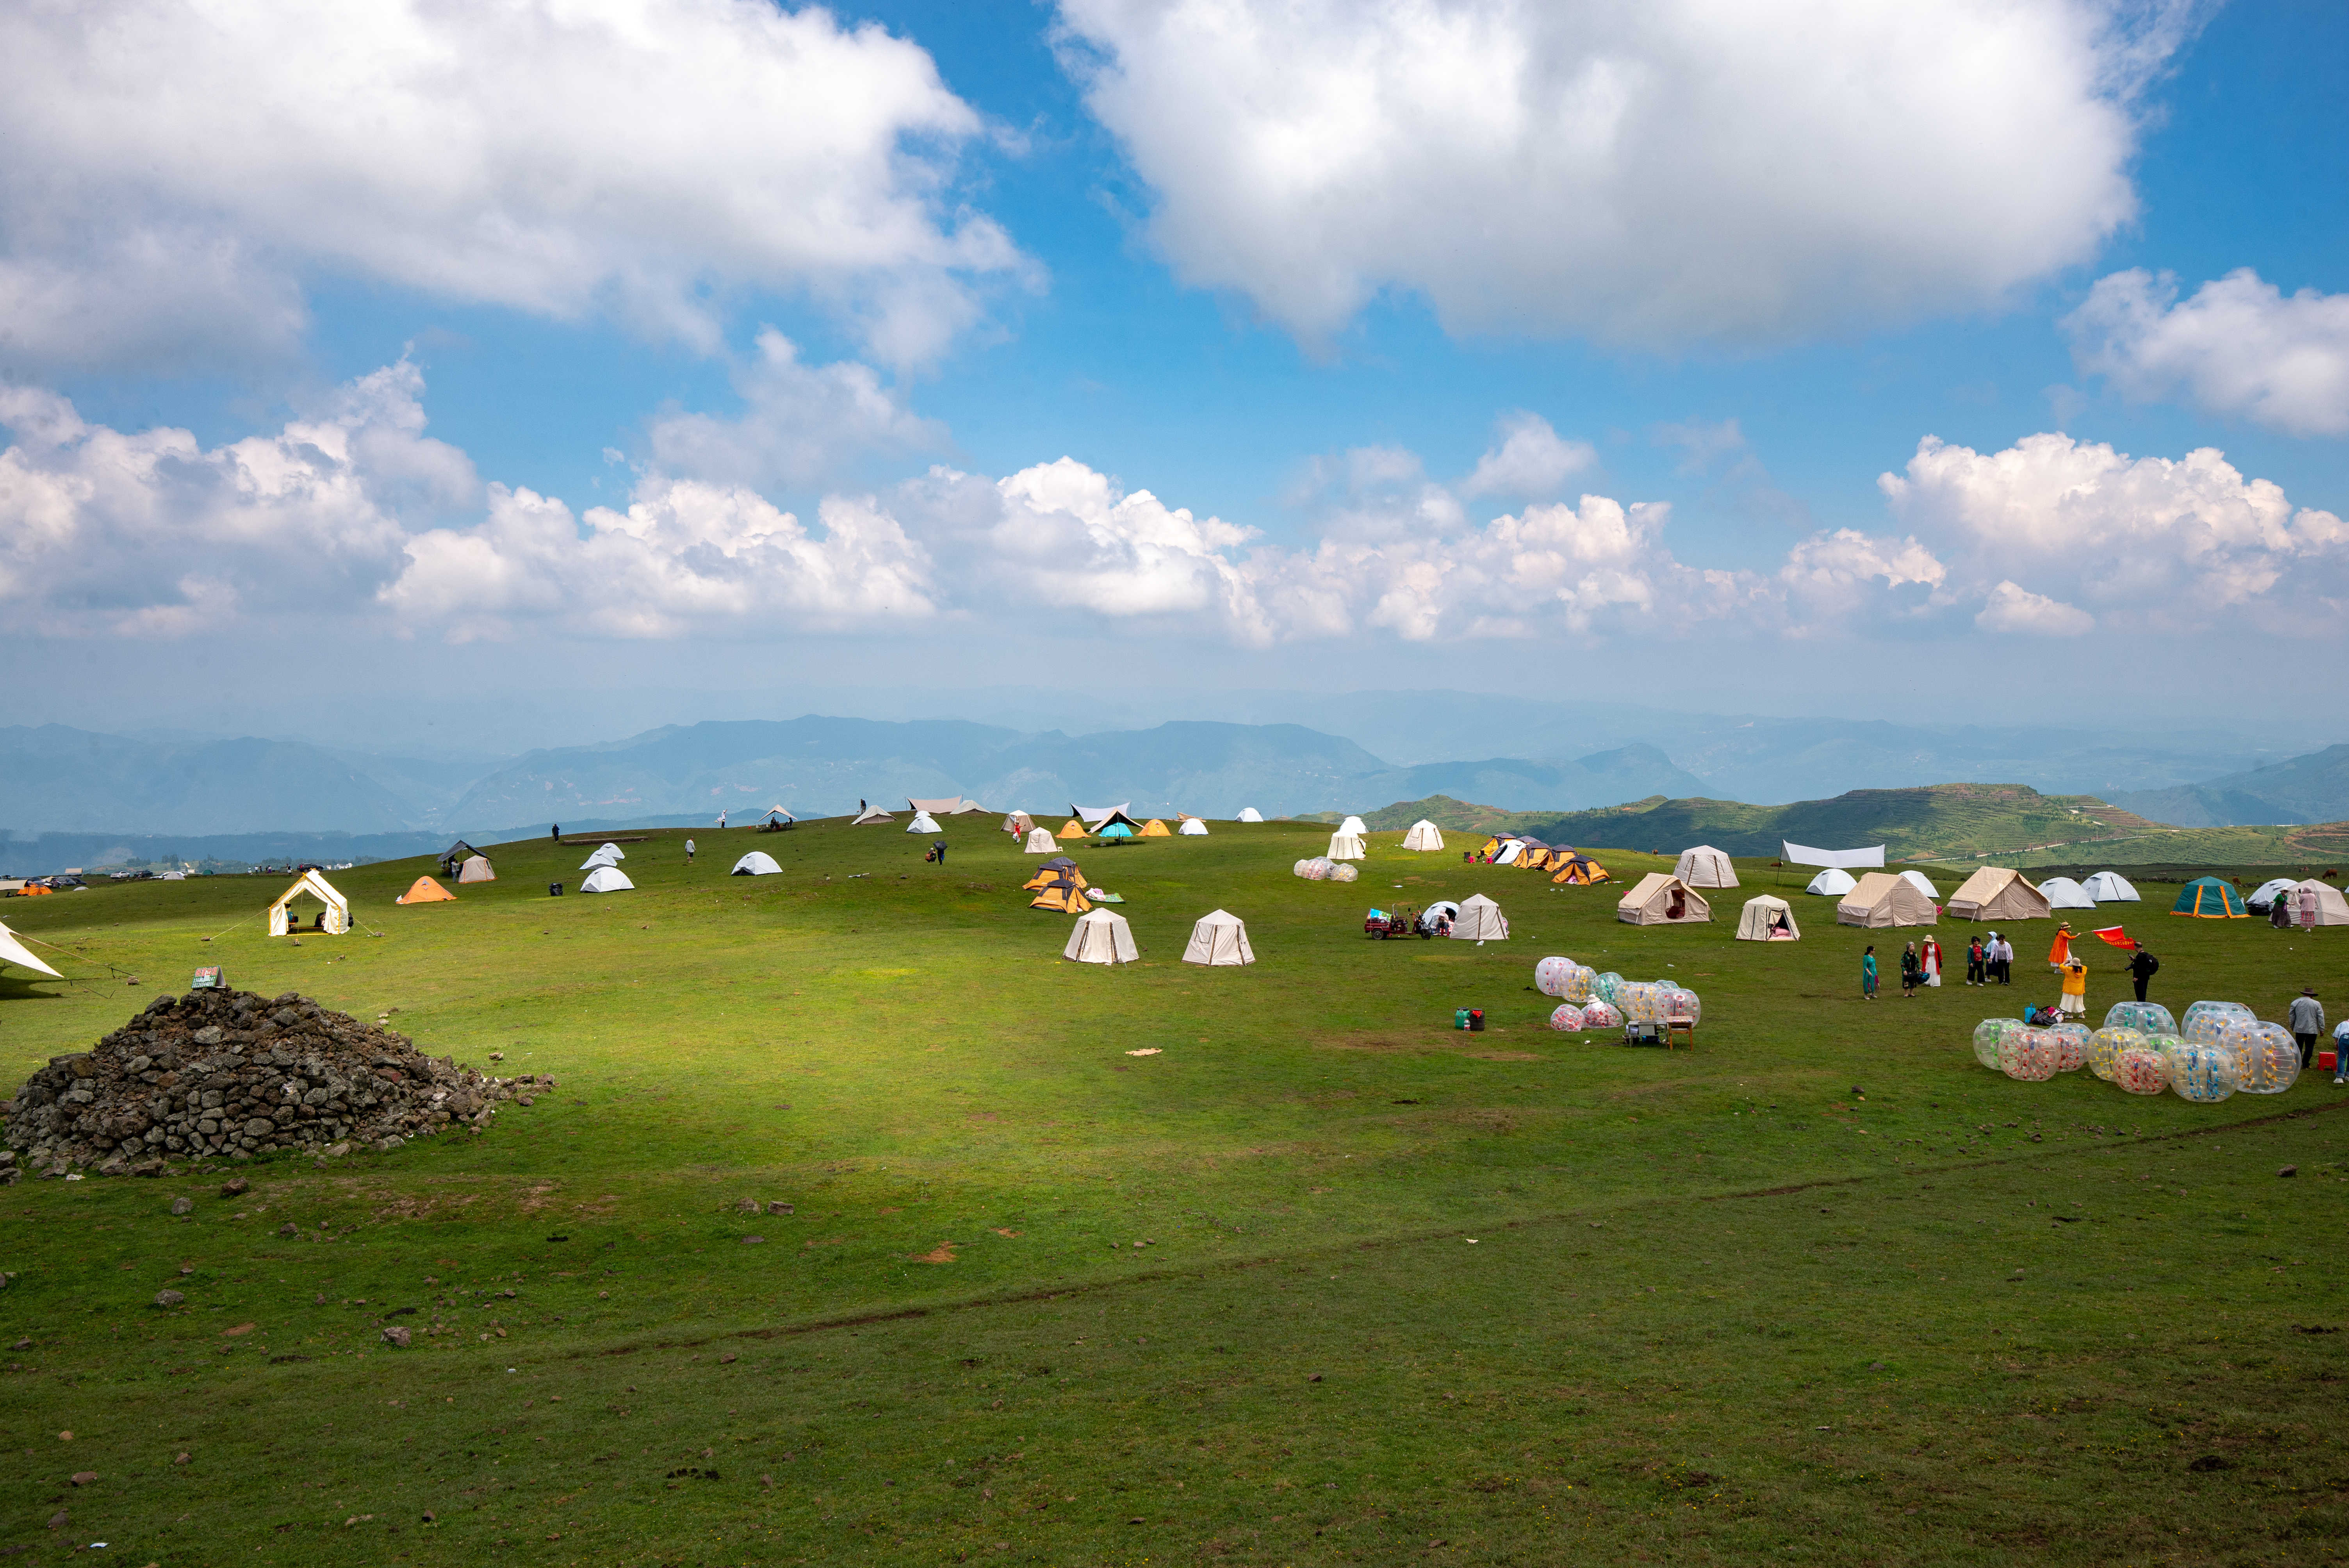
x: 1990, y: 961
x: 1920, y: 967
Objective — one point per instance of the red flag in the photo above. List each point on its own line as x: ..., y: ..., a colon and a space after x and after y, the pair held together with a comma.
x: 2117, y: 937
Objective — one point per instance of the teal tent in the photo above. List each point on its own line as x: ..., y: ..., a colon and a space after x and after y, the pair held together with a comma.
x: 2208, y: 898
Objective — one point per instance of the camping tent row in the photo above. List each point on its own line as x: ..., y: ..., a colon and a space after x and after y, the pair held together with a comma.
x: 1881, y: 899
x: 1767, y: 919
x: 1218, y: 940
x: 1566, y: 864
x: 1661, y: 898
x: 1705, y: 866
x: 338, y: 909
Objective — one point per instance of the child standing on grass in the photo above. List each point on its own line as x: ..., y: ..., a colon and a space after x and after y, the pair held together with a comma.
x: 1867, y: 974
x: 1976, y: 974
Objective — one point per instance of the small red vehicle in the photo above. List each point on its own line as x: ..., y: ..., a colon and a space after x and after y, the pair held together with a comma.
x: 1383, y: 923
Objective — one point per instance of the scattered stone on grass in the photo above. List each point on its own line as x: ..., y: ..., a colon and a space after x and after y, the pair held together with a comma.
x: 169, y: 1298
x: 777, y: 1206
x: 2289, y: 1170
x: 231, y: 1075
x: 83, y: 1478
x: 183, y: 1204
x: 395, y: 1337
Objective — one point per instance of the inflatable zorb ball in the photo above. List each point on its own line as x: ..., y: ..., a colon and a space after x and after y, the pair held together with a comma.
x: 1602, y: 1016
x: 2105, y: 1046
x: 1568, y: 1017
x: 2144, y: 1068
x: 2204, y: 1074
x: 2206, y: 1021
x: 1605, y: 983
x: 2071, y: 1047
x: 1678, y: 1001
x: 1638, y: 999
x: 1551, y: 975
x: 1344, y: 870
x: 1987, y: 1035
x: 2267, y: 1058
x: 2144, y: 1017
x: 1578, y: 984
x: 2027, y: 1054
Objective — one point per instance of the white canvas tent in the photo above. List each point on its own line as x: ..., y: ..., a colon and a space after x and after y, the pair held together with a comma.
x: 338, y: 908
x: 1705, y: 866
x: 1661, y: 899
x: 870, y: 815
x: 1479, y: 920
x: 2331, y: 909
x: 1101, y: 936
x: 1040, y: 842
x: 1995, y: 892
x: 1833, y: 882
x: 1842, y: 859
x: 607, y: 879
x: 1192, y: 828
x: 923, y: 822
x: 1219, y: 938
x: 1355, y: 826
x: 1767, y: 919
x: 1921, y: 882
x: 477, y: 870
x: 2063, y: 892
x: 2262, y: 897
x: 1423, y: 835
x: 757, y: 863
x: 1346, y: 846
x: 1882, y: 899
x: 1250, y: 814
x: 2111, y: 887
x: 12, y: 951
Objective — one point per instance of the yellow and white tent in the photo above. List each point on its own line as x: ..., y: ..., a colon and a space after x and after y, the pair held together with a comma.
x: 338, y: 908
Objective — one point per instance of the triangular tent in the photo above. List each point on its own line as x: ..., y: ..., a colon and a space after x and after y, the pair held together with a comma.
x: 338, y: 908
x: 1219, y: 938
x: 870, y: 815
x: 1072, y: 828
x: 1100, y: 819
x: 1767, y: 919
x: 2110, y: 887
x: 611, y: 848
x: 952, y: 806
x: 1833, y: 882
x: 477, y: 870
x: 1479, y: 920
x: 1063, y: 896
x: 1658, y: 898
x: 1250, y: 814
x: 1881, y: 899
x: 600, y: 858
x: 1154, y: 829
x: 12, y: 951
x: 1101, y: 936
x: 1039, y: 842
x: 1192, y: 828
x: 1995, y: 892
x: 424, y: 889
x: 2208, y: 898
x: 923, y: 822
x: 1346, y: 846
x: 757, y: 863
x: 456, y: 855
x: 607, y: 879
x: 1705, y: 866
x: 1423, y: 835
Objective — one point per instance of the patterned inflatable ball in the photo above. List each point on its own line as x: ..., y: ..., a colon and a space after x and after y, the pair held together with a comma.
x: 1602, y: 1016
x: 2206, y: 1021
x: 1604, y: 984
x: 2267, y: 1058
x: 1551, y: 974
x: 2106, y: 1045
x: 1344, y: 870
x: 1578, y: 984
x: 2028, y: 1054
x: 2203, y: 1073
x: 1568, y: 1017
x: 1675, y: 1001
x: 2144, y: 1017
x: 1638, y: 1000
x: 2071, y: 1047
x: 1987, y: 1034
x: 2142, y: 1068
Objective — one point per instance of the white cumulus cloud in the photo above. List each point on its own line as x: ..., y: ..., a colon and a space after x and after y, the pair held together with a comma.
x: 2240, y: 346
x: 1662, y: 173
x: 1532, y: 460
x: 177, y: 173
x: 800, y: 423
x: 2015, y: 608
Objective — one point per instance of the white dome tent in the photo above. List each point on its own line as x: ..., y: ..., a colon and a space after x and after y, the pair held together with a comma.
x: 1040, y: 842
x: 923, y: 822
x: 607, y: 879
x: 757, y: 863
x: 1922, y: 883
x: 2110, y: 887
x: 1705, y: 866
x: 1250, y: 814
x: 1192, y: 828
x: 2263, y: 897
x: 1833, y: 882
x: 1219, y: 940
x: 1101, y: 936
x: 2063, y: 892
x: 611, y: 848
x: 1424, y: 836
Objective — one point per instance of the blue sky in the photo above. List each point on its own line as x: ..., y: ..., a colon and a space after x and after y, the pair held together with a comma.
x: 1798, y: 256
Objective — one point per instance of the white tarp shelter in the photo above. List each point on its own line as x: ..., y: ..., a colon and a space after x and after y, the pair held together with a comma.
x: 923, y: 822
x: 1094, y: 816
x: 1842, y: 859
x: 12, y: 951
x: 1479, y: 920
x: 2323, y: 900
x: 1101, y: 936
x: 1881, y: 899
x: 1705, y: 866
x: 757, y: 863
x: 1219, y: 938
x: 1040, y: 842
x: 2111, y: 887
x: 1192, y: 828
x: 477, y: 870
x: 1346, y: 846
x: 607, y: 879
x: 1767, y: 919
x: 2262, y: 897
x: 1661, y: 899
x: 1423, y: 835
x: 1996, y: 892
x: 1833, y: 882
x: 1355, y: 826
x: 2063, y: 892
x: 338, y: 908
x: 1250, y: 814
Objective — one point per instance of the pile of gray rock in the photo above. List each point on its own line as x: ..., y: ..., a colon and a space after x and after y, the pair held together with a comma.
x: 229, y: 1075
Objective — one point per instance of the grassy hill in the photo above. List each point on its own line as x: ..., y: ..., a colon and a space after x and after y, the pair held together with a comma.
x: 1262, y: 1265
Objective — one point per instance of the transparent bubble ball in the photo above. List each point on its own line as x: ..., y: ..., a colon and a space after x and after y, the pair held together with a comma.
x: 1604, y: 984
x: 2206, y: 1021
x: 1675, y: 1001
x: 1551, y: 974
x: 2071, y: 1046
x: 2028, y: 1054
x: 2267, y: 1058
x: 1987, y: 1034
x: 2144, y: 1017
x: 1638, y: 999
x: 1568, y: 1017
x: 1601, y: 1014
x: 1578, y: 984
x: 2144, y: 1068
x: 2109, y: 1043
x: 2203, y: 1073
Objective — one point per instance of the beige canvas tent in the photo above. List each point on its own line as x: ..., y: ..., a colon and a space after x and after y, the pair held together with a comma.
x: 1017, y: 823
x: 1425, y: 835
x: 1101, y: 936
x: 1705, y: 866
x: 1994, y: 892
x: 1882, y: 899
x: 1767, y: 919
x: 338, y: 908
x: 952, y: 806
x: 1661, y: 899
x: 477, y: 870
x: 1220, y: 938
x: 1040, y: 842
x: 1479, y: 920
x: 12, y: 951
x: 870, y: 815
x: 2319, y: 903
x: 1346, y: 846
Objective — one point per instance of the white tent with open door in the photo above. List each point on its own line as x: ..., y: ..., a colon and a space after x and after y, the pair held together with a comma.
x: 1220, y: 938
x: 338, y: 908
x: 2110, y: 887
x: 1479, y: 920
x: 923, y: 822
x: 1705, y: 866
x: 1346, y: 846
x: 12, y: 951
x: 2063, y: 892
x: 1423, y: 835
x: 1833, y: 882
x: 757, y: 863
x: 1192, y: 828
x: 607, y: 879
x: 1101, y: 936
x: 477, y: 870
x: 1250, y: 814
x: 1661, y: 899
x: 1767, y: 919
x: 1040, y: 842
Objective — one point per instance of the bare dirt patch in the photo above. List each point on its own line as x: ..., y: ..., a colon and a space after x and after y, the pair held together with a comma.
x: 944, y: 1253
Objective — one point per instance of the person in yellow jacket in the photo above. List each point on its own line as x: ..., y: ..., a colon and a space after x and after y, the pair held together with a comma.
x: 2076, y: 987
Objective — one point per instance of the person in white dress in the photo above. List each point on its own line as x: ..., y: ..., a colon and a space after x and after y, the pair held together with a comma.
x: 1932, y: 961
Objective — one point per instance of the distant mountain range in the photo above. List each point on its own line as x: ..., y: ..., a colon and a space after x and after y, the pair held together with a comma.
x: 2312, y: 789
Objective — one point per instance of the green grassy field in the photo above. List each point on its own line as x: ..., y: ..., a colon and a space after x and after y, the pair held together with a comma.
x: 1320, y: 1281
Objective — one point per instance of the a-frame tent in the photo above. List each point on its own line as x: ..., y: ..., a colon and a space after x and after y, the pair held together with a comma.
x: 338, y: 908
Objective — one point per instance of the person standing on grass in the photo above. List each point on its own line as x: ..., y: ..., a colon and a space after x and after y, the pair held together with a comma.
x: 2006, y: 962
x: 2075, y: 988
x: 2307, y: 1023
x: 2341, y: 1053
x: 1867, y: 974
x: 1977, y: 974
x: 2142, y: 969
x: 1912, y: 972
x: 1930, y: 955
x: 688, y: 851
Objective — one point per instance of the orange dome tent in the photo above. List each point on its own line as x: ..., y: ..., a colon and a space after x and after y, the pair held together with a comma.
x: 424, y: 889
